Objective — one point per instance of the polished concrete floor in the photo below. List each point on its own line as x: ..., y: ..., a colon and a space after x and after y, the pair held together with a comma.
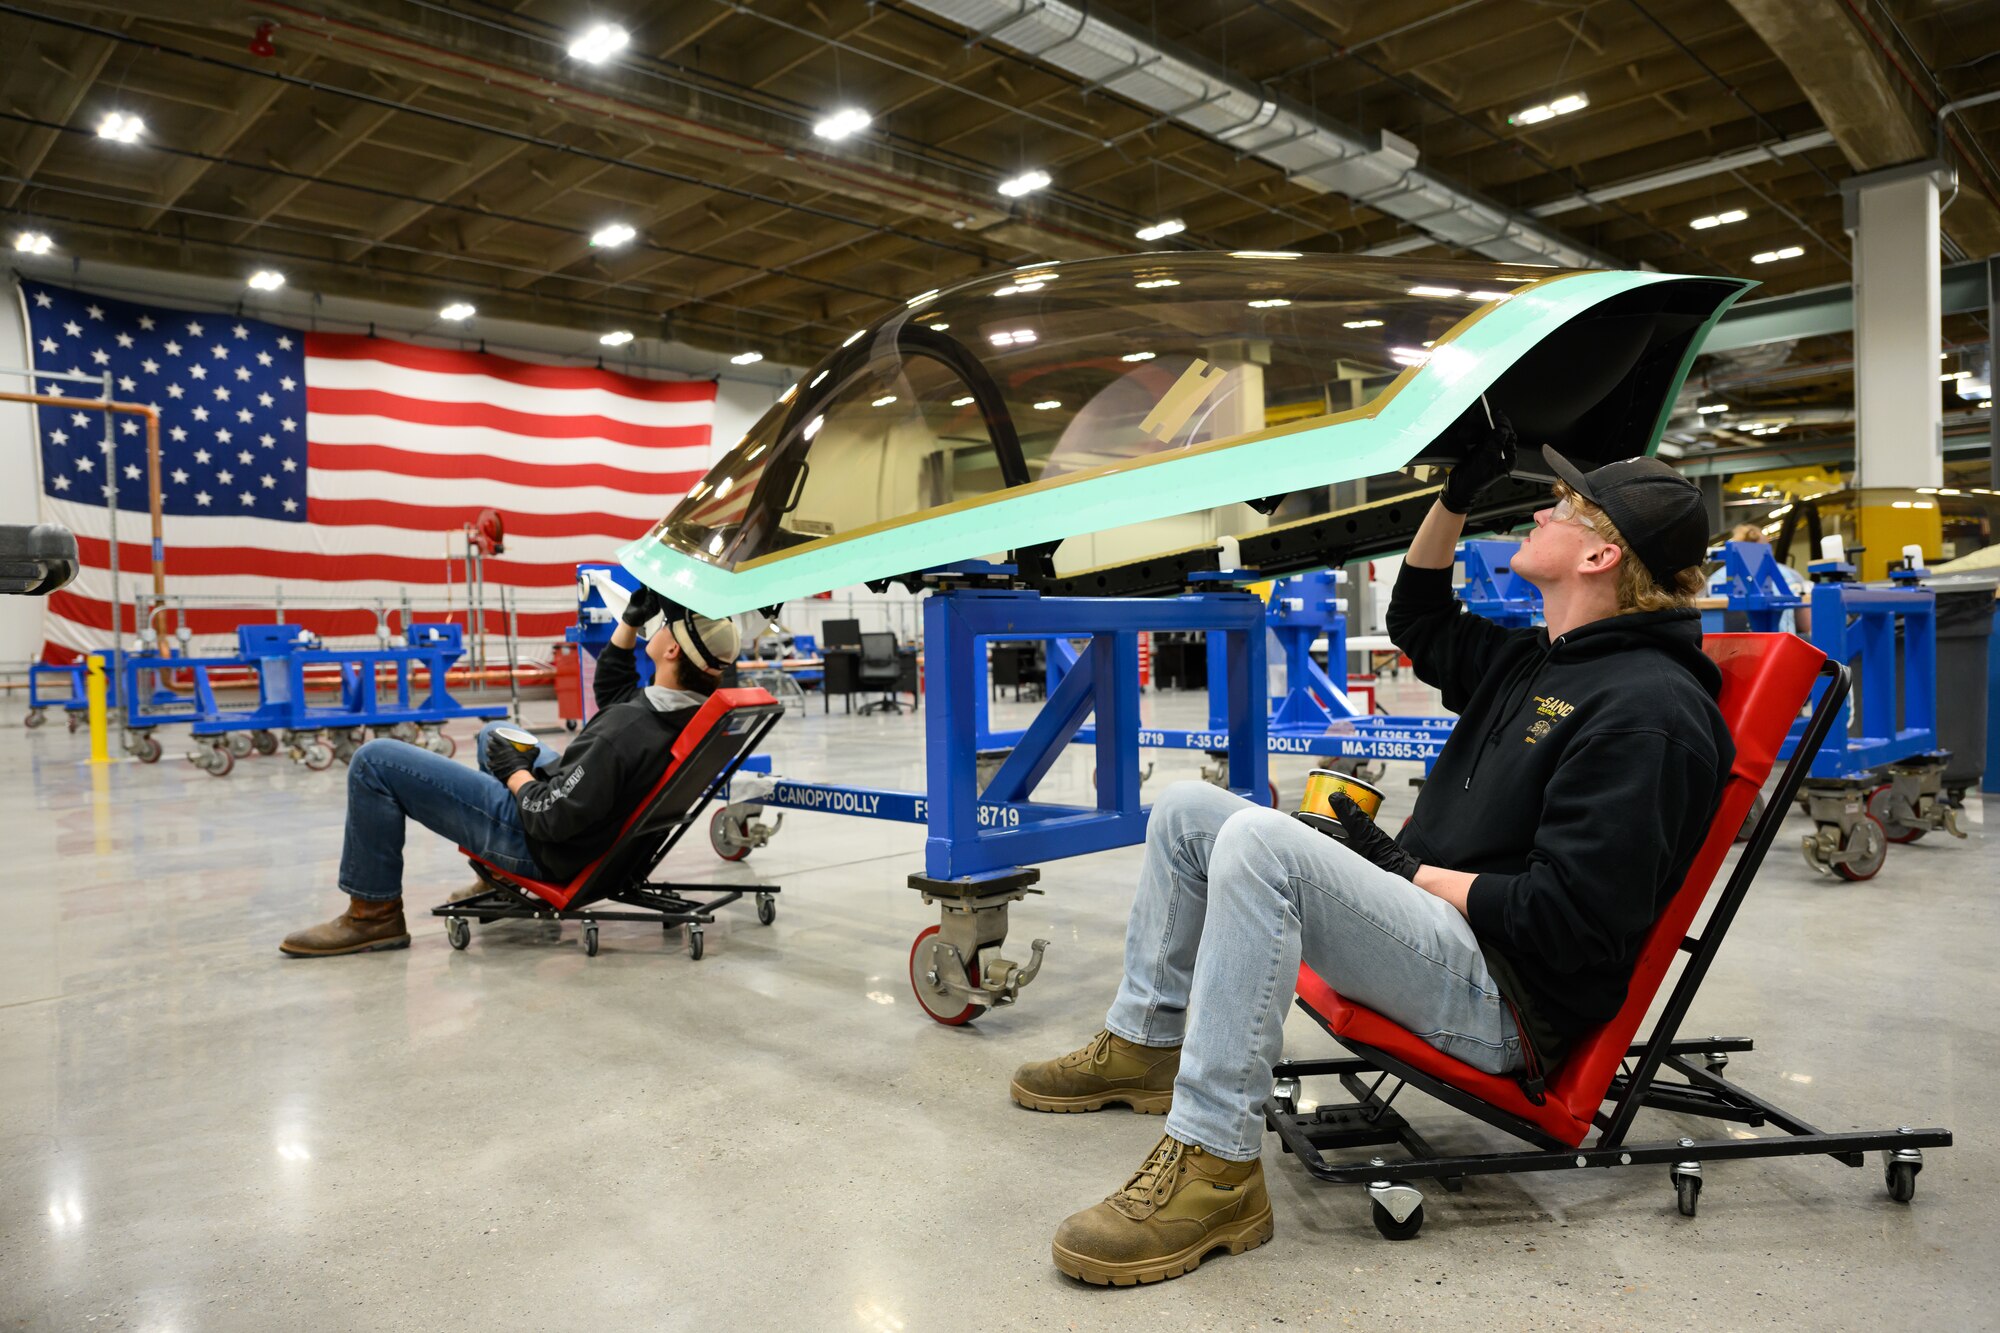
x: 197, y: 1134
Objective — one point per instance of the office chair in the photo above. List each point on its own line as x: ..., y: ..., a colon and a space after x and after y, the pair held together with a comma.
x: 881, y: 669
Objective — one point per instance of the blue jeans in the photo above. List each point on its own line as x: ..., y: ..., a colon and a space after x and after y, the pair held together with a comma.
x: 1230, y: 896
x: 390, y: 781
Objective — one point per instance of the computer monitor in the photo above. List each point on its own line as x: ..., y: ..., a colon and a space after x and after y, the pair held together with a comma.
x: 840, y: 634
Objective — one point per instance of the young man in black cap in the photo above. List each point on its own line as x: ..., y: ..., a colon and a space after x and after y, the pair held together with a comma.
x: 1504, y: 921
x: 545, y: 815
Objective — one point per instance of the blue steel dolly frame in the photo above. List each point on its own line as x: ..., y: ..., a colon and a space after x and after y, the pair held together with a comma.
x: 284, y: 712
x: 984, y: 838
x: 1492, y: 588
x: 1877, y: 778
x: 75, y: 702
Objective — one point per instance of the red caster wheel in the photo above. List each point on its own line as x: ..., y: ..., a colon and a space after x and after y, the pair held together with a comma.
x: 936, y: 1001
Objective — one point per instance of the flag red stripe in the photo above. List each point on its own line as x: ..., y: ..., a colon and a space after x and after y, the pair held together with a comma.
x: 457, y: 467
x: 444, y: 361
x: 95, y: 613
x: 552, y: 426
x: 613, y: 528
x: 305, y: 566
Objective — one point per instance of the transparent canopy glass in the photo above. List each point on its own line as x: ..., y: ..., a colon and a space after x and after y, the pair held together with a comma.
x: 1066, y: 397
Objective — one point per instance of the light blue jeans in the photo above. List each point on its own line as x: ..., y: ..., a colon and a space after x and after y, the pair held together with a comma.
x: 1230, y: 896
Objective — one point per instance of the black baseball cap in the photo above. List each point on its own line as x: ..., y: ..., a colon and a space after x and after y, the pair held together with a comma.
x: 1657, y: 510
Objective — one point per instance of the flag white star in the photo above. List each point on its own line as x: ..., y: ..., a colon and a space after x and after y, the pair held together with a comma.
x: 42, y: 300
x: 242, y: 372
x: 179, y: 433
x: 59, y: 437
x: 288, y: 384
x: 94, y: 311
x: 291, y: 465
x: 265, y: 400
x: 243, y: 415
x: 263, y: 358
x: 291, y: 505
x: 243, y: 456
x: 132, y: 471
x: 180, y: 475
x: 126, y: 384
x: 284, y: 343
x: 146, y: 323
x: 150, y: 366
x: 194, y: 329
x: 173, y: 348
x: 79, y: 419
x: 201, y: 414
x: 124, y: 340
x: 225, y: 476
x: 221, y: 352
x: 49, y: 346
x: 175, y: 391
x: 289, y: 424
x: 268, y: 480
x: 84, y: 465
x: 222, y: 393
x: 201, y: 455
x: 100, y: 356
x: 128, y: 426
x: 199, y: 372
x: 202, y: 497
x: 240, y: 331
x: 247, y: 498
x: 266, y: 440
x: 222, y: 437
x: 72, y: 328
x: 61, y: 483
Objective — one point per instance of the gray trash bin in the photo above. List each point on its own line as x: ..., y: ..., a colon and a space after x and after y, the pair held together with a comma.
x: 1964, y: 632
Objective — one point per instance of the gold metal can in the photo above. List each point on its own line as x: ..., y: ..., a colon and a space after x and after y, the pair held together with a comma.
x: 524, y: 741
x: 1323, y: 782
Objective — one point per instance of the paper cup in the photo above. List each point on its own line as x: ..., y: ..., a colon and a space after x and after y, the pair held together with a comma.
x: 1323, y: 782
x: 524, y: 741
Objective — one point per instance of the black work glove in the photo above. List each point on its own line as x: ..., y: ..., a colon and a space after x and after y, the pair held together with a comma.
x: 1366, y: 837
x: 1488, y: 457
x: 645, y: 604
x: 503, y: 760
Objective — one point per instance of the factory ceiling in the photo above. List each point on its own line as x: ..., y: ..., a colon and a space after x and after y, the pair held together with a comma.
x: 422, y: 152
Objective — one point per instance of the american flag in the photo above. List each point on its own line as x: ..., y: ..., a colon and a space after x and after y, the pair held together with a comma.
x: 339, y: 468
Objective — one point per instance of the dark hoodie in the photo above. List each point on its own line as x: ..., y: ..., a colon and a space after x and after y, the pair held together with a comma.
x: 1578, y: 785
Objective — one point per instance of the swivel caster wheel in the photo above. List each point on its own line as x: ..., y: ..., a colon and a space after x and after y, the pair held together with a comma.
x: 264, y: 742
x: 694, y: 946
x: 74, y: 722
x: 1396, y: 1209
x: 1899, y: 1173
x: 1687, y: 1187
x: 240, y: 744
x: 724, y: 835
x: 404, y: 731
x: 318, y: 756
x: 767, y: 909
x: 147, y: 748
x: 928, y: 972
x: 217, y: 760
x: 35, y: 718
x: 439, y: 743
x: 1869, y: 846
x: 590, y: 939
x: 1881, y: 809
x: 458, y: 931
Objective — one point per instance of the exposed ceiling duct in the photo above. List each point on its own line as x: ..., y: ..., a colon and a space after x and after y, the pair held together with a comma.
x: 1377, y: 169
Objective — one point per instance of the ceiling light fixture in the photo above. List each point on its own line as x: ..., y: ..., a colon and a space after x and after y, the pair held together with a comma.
x: 120, y: 128
x: 1269, y: 303
x: 614, y: 234
x: 939, y: 328
x: 884, y: 400
x: 457, y: 310
x: 1718, y: 219
x: 746, y: 358
x: 1426, y: 290
x: 1263, y: 254
x: 1773, y: 256
x: 1048, y: 404
x: 966, y: 401
x: 1562, y: 106
x: 1706, y: 408
x: 1161, y: 230
x: 842, y: 123
x: 599, y: 44
x: 920, y: 298
x: 33, y: 242
x: 854, y: 337
x: 1138, y: 356
x: 616, y: 338
x: 267, y: 280
x: 1362, y: 324
x: 1489, y: 296
x: 1025, y: 183
x: 1151, y: 283
x: 1015, y: 288
x: 1011, y: 339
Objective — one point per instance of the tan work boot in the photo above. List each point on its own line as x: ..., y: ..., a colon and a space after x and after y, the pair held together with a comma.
x: 1180, y: 1206
x: 365, y: 925
x: 1106, y: 1069
x: 472, y: 890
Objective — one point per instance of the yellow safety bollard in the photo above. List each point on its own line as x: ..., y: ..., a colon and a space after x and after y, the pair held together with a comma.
x: 100, y: 721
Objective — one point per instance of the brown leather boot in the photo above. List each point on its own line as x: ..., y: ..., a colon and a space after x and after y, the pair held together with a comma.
x: 365, y: 926
x: 1179, y: 1207
x: 1105, y: 1070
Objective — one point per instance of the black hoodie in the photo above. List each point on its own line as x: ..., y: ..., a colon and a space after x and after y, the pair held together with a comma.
x: 1578, y: 784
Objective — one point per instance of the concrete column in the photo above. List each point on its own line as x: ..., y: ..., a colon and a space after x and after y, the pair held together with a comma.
x: 1899, y: 430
